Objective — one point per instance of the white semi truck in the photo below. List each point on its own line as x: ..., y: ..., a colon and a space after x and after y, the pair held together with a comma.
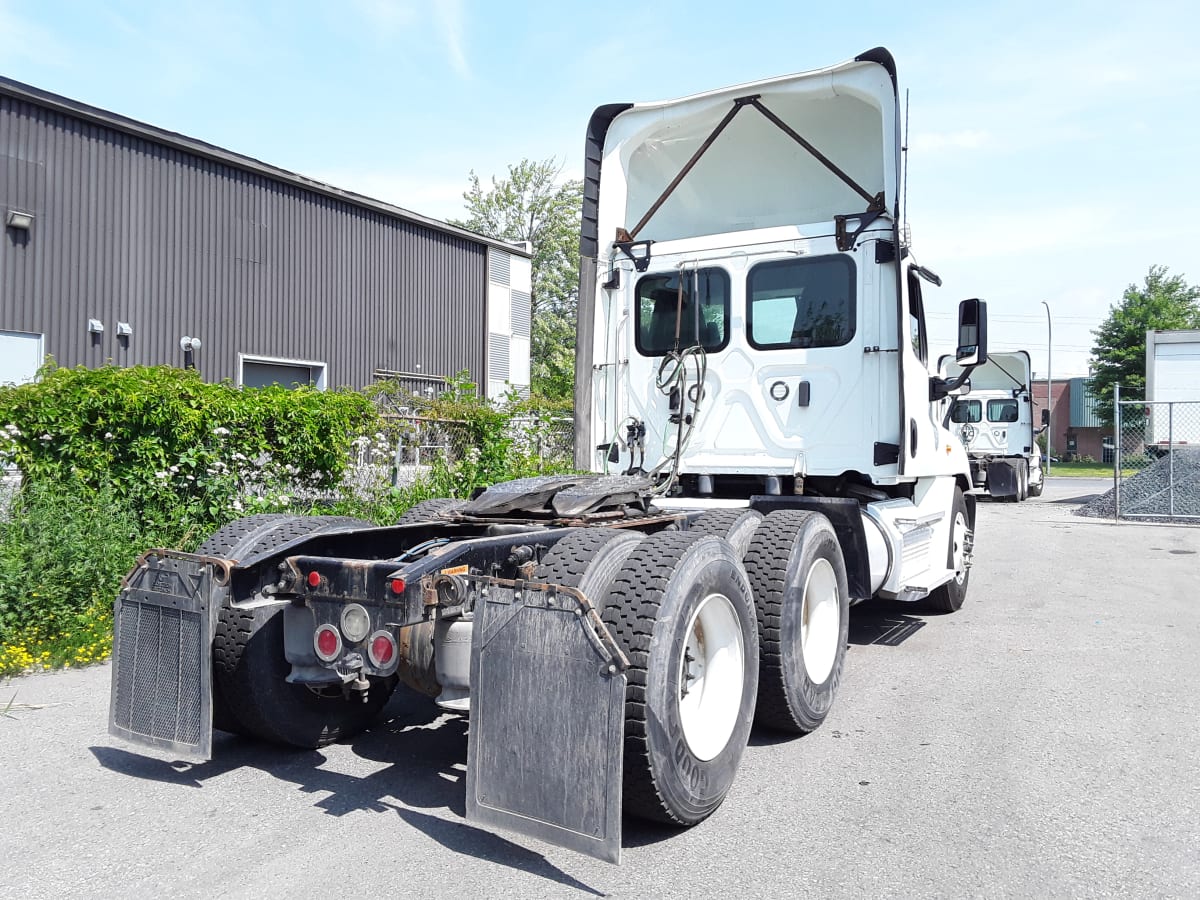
x: 757, y: 407
x: 995, y: 424
x: 1172, y: 390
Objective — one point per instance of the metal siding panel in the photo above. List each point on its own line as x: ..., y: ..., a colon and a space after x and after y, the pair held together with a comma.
x: 129, y: 230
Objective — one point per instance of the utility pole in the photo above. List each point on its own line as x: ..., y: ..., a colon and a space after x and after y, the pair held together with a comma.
x: 1049, y: 386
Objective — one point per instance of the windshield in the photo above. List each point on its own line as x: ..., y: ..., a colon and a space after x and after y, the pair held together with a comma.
x: 966, y: 411
x: 1002, y: 411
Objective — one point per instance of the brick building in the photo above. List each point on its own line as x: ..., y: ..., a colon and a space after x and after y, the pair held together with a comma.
x: 1077, y: 428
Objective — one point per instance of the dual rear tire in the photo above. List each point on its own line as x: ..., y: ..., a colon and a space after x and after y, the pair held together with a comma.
x: 739, y: 620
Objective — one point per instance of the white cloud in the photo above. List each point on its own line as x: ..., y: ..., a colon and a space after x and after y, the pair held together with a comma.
x: 387, y: 16
x: 1010, y: 233
x: 969, y: 139
x: 23, y: 40
x: 438, y: 198
x: 450, y: 21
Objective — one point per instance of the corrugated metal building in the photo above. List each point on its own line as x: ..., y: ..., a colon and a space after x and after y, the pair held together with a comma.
x: 121, y: 240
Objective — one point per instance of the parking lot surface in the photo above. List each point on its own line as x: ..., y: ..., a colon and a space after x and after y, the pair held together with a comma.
x: 1044, y: 741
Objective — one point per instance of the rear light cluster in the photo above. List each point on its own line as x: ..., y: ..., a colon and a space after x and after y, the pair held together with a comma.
x: 356, y: 624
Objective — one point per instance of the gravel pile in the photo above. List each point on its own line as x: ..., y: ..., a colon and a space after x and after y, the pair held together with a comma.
x: 1148, y: 492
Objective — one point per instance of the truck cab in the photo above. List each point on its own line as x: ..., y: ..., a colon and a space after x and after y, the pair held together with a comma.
x: 995, y: 425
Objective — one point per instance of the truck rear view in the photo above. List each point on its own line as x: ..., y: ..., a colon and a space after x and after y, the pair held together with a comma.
x: 757, y: 411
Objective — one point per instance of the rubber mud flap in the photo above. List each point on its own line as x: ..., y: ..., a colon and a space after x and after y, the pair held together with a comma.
x: 161, y: 675
x: 545, y: 746
x: 1002, y: 480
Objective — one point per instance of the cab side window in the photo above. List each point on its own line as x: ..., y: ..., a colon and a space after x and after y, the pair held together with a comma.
x: 916, y: 319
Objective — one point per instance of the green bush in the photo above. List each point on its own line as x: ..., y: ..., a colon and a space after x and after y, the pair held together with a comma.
x: 64, y: 548
x: 116, y: 461
x: 174, y: 446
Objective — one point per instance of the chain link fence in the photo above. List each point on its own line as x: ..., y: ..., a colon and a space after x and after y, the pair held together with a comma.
x: 408, y: 446
x: 1157, y: 460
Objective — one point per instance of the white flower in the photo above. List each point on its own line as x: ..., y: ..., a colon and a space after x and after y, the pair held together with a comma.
x: 174, y: 470
x: 162, y: 474
x: 220, y: 432
x: 45, y: 437
x: 190, y: 477
x: 284, y: 498
x: 108, y: 435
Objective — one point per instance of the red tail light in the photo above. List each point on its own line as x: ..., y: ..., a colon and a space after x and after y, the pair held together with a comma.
x: 328, y: 643
x: 398, y: 585
x: 314, y: 578
x: 382, y: 649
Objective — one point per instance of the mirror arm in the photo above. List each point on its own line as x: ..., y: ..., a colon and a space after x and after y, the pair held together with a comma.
x: 939, y: 388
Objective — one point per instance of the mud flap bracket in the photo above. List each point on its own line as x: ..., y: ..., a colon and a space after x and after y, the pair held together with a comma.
x: 545, y: 747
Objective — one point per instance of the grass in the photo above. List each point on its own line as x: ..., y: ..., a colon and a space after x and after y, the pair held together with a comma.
x: 1086, y: 470
x: 6, y: 711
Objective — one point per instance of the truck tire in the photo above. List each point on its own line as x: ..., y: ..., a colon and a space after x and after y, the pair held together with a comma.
x: 735, y: 525
x: 1035, y: 489
x: 798, y: 574
x: 949, y: 597
x: 682, y: 610
x: 224, y: 543
x: 430, y: 510
x: 589, y: 560
x: 251, y: 696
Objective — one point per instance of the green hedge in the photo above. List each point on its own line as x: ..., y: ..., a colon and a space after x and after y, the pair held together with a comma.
x: 116, y: 461
x: 172, y: 444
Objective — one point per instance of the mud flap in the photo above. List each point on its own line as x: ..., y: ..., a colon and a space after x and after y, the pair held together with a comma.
x: 546, y: 740
x: 1001, y: 479
x: 162, y: 652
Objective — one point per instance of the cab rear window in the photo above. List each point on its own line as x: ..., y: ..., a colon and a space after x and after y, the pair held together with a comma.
x: 800, y: 303
x: 671, y: 318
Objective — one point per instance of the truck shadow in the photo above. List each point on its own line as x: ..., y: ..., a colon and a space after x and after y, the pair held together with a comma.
x: 423, y: 752
x: 878, y: 622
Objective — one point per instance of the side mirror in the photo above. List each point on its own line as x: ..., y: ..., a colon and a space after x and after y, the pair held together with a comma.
x: 972, y: 333
x: 1045, y: 416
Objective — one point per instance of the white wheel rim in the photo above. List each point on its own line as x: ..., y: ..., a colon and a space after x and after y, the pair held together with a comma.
x: 711, y: 675
x: 820, y: 621
x: 960, y: 548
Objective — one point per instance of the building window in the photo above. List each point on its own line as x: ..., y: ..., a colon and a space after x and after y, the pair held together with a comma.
x: 21, y: 355
x: 264, y: 371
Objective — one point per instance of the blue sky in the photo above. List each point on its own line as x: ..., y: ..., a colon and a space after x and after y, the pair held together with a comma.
x: 1054, y: 147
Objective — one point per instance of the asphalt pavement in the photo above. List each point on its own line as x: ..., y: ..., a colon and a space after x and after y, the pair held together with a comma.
x: 1044, y: 741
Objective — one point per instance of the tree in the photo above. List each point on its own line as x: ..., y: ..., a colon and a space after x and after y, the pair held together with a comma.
x: 1165, y: 301
x: 531, y: 205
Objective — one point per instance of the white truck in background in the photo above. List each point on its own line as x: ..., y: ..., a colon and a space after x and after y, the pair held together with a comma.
x: 995, y: 424
x: 1172, y: 378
